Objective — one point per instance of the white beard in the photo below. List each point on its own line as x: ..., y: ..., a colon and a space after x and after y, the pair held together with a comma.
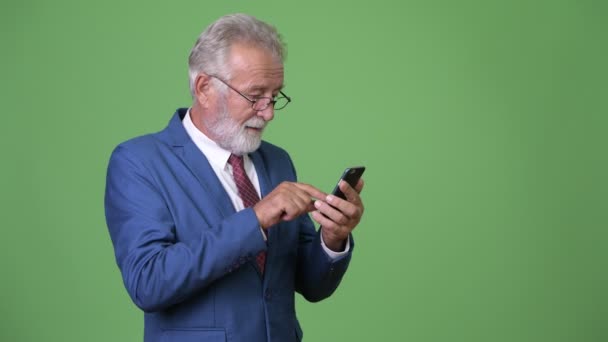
x: 234, y: 137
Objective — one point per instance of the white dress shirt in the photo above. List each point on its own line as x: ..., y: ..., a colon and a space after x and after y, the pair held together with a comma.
x: 218, y: 159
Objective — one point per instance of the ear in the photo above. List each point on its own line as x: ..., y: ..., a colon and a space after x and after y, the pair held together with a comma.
x: 202, y: 89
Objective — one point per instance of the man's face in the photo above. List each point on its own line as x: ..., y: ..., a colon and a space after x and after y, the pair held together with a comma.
x: 236, y: 126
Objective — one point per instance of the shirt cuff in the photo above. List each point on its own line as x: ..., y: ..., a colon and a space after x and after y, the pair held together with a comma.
x: 335, y: 255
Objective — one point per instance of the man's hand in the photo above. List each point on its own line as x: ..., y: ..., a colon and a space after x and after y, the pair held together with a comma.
x: 286, y: 202
x: 339, y: 217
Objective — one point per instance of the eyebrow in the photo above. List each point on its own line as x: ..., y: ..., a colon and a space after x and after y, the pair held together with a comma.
x: 258, y: 87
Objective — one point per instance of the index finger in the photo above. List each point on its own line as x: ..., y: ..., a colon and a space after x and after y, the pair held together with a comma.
x: 311, y: 190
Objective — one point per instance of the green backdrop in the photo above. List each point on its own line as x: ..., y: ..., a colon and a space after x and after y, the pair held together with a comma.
x: 482, y: 124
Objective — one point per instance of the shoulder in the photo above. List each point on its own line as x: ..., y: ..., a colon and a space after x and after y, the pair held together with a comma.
x: 153, y: 145
x: 141, y: 147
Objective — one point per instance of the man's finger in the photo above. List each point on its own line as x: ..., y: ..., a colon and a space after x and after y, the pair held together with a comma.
x: 359, y: 185
x: 351, y: 195
x: 332, y: 213
x: 311, y: 190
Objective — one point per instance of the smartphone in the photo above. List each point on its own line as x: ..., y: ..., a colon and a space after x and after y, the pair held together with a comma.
x: 351, y: 176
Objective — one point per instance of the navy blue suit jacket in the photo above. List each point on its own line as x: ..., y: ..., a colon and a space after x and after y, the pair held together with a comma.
x: 186, y: 256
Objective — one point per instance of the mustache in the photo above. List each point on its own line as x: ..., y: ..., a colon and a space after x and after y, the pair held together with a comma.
x: 255, y: 123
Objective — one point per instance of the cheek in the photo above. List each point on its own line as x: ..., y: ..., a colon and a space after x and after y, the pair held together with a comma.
x: 237, y: 109
x: 242, y: 115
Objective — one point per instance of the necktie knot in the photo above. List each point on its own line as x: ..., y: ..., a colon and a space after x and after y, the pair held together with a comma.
x: 236, y: 161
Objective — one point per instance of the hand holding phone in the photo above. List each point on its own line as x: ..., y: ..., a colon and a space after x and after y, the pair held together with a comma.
x: 336, y: 240
x: 351, y: 176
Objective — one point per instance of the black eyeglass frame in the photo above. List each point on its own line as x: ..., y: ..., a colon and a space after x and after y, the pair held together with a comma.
x: 254, y: 102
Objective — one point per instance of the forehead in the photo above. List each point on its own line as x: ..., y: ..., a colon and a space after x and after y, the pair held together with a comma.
x: 255, y: 67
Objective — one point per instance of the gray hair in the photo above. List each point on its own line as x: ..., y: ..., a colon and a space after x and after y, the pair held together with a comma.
x: 211, y: 51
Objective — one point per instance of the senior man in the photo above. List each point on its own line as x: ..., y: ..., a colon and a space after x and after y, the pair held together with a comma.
x: 211, y: 230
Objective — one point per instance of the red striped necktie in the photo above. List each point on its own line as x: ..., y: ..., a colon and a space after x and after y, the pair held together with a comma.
x: 247, y: 193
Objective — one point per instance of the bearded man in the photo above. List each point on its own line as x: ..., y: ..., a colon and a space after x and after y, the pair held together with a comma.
x: 211, y: 230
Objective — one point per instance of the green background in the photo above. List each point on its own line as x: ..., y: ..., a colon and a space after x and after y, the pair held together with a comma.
x: 482, y: 124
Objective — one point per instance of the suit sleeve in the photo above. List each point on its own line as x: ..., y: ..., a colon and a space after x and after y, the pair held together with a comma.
x: 158, y: 270
x: 318, y: 275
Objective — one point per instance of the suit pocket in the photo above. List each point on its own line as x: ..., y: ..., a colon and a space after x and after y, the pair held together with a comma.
x: 194, y: 335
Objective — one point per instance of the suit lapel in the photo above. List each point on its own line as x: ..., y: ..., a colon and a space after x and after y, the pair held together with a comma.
x: 198, y: 164
x: 260, y: 169
x: 200, y: 167
x: 266, y: 186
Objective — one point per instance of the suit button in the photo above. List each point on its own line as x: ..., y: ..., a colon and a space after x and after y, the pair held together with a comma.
x: 268, y: 294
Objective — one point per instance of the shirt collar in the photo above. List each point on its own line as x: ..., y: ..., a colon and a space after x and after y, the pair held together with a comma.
x: 214, y: 153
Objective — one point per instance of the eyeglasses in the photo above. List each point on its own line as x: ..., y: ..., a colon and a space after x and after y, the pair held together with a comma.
x: 261, y: 103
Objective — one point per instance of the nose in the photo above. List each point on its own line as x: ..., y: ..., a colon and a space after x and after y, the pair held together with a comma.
x: 266, y: 114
